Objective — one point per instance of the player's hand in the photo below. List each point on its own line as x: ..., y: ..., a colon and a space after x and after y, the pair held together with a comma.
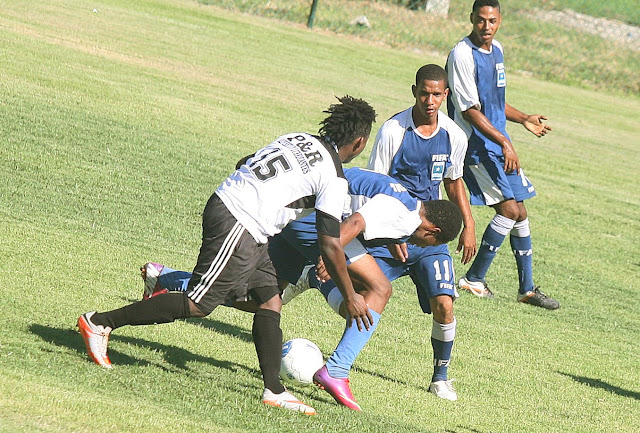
x: 511, y: 161
x: 321, y: 271
x: 399, y: 251
x: 358, y: 311
x: 535, y: 125
x: 467, y: 244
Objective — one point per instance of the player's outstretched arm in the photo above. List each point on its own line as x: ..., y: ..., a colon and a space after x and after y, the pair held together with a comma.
x: 334, y: 260
x: 535, y: 125
x: 532, y: 122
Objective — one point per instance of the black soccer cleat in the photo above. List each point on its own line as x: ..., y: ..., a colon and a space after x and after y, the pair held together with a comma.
x: 539, y: 299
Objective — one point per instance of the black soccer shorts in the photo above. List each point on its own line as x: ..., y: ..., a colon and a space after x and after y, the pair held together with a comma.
x: 231, y: 264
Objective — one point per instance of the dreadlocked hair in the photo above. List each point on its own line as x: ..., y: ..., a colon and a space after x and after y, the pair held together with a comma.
x: 349, y: 119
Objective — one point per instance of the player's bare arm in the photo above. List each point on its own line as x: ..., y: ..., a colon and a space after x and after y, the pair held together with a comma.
x: 532, y: 122
x: 333, y: 256
x: 475, y: 117
x: 349, y: 229
x: 467, y: 240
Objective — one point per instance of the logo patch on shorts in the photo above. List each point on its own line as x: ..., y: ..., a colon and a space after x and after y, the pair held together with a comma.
x: 437, y: 171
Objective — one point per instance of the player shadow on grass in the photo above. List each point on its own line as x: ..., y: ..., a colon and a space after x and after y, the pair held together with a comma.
x: 597, y: 383
x: 223, y: 328
x: 174, y: 355
x: 391, y: 379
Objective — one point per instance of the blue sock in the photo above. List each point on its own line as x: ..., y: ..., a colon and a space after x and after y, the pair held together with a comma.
x: 520, y: 240
x: 174, y: 281
x: 492, y: 238
x: 311, y: 278
x: 332, y: 294
x: 351, y: 344
x: 442, y: 337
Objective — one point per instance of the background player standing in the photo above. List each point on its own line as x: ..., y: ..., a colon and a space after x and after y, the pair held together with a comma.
x: 493, y: 175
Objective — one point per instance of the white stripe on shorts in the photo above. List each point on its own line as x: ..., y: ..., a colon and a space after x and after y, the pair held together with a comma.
x: 491, y: 192
x: 218, y: 264
x: 354, y: 251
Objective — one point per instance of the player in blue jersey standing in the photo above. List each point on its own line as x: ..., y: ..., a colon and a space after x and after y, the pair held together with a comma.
x: 494, y: 177
x: 422, y: 148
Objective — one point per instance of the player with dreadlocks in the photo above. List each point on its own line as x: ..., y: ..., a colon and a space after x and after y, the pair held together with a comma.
x: 294, y: 173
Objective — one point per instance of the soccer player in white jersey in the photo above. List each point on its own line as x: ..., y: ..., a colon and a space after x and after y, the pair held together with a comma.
x: 297, y: 171
x: 380, y: 211
x: 422, y: 148
x: 494, y: 177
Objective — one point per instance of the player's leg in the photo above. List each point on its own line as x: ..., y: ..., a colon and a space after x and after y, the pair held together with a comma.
x: 489, y: 185
x: 160, y: 279
x: 293, y: 252
x: 223, y: 268
x: 267, y: 336
x: 499, y: 227
x: 432, y: 273
x: 371, y: 282
x: 520, y: 239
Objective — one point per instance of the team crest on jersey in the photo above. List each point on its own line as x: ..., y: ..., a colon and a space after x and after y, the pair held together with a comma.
x: 502, y: 76
x: 437, y: 171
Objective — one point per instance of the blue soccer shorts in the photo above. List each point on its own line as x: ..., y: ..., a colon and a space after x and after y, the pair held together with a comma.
x: 488, y: 183
x: 430, y: 269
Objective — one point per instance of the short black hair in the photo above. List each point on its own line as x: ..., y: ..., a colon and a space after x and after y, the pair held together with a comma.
x: 349, y: 119
x: 446, y: 216
x: 482, y: 3
x: 431, y: 72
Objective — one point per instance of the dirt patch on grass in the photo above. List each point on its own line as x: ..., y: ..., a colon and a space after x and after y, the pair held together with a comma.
x: 613, y: 30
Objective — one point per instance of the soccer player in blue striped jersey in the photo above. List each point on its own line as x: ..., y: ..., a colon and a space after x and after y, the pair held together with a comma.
x: 422, y: 148
x: 494, y: 177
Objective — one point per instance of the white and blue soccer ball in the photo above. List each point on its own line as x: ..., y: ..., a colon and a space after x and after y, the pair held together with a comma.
x: 301, y: 359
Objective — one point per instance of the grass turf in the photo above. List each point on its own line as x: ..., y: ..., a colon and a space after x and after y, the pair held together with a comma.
x: 118, y: 124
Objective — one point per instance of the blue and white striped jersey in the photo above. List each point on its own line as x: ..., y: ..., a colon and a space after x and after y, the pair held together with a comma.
x: 418, y: 162
x: 477, y: 78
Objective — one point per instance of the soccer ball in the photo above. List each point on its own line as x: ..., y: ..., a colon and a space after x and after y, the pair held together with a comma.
x: 301, y: 358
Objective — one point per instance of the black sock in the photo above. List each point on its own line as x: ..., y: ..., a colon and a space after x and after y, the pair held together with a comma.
x: 163, y: 308
x: 267, y: 337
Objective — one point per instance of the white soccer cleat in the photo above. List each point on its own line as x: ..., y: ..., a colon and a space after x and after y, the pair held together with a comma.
x: 478, y: 288
x: 286, y: 400
x: 291, y: 291
x: 444, y: 389
x: 96, y: 337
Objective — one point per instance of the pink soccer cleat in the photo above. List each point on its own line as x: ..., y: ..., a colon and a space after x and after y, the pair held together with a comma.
x: 338, y: 388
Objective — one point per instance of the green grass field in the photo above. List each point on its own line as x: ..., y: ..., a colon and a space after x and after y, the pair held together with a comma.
x: 119, y: 123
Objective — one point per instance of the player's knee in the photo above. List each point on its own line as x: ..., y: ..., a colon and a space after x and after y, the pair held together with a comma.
x: 383, y: 290
x: 442, y: 308
x: 522, y: 215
